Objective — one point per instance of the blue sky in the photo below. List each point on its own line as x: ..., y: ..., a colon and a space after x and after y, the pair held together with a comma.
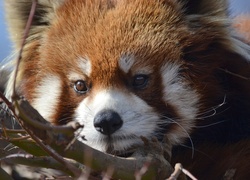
x: 237, y: 6
x: 5, y: 45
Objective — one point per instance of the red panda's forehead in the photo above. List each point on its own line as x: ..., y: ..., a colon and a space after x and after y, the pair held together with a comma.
x: 131, y: 26
x: 151, y: 31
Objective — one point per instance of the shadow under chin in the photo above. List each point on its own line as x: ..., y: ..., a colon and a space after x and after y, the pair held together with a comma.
x: 124, y: 153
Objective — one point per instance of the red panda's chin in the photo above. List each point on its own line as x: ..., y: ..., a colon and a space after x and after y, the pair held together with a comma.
x: 115, y: 145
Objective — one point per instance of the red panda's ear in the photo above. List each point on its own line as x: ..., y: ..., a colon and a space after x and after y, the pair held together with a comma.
x: 209, y: 24
x: 17, y: 14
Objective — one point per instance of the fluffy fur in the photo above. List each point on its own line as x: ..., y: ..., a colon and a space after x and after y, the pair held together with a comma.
x: 131, y: 68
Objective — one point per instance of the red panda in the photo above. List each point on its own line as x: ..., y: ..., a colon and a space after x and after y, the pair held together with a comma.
x: 131, y: 68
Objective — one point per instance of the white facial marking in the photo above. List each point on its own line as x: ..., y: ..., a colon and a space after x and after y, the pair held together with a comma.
x: 139, y: 119
x: 126, y: 61
x: 74, y: 76
x: 10, y: 84
x: 178, y: 93
x: 182, y: 97
x: 144, y: 70
x: 48, y: 93
x: 85, y: 65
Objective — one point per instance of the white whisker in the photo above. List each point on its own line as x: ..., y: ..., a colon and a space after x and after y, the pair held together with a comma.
x: 65, y: 119
x: 198, y: 151
x: 185, y: 131
x: 212, y: 109
x: 212, y: 124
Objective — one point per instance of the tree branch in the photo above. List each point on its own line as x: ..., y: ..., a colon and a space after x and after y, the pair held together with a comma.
x: 99, y: 161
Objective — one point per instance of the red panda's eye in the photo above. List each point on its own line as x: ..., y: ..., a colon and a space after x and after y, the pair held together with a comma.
x: 140, y: 81
x: 80, y: 86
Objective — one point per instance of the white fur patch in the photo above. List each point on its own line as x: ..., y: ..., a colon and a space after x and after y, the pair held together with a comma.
x: 9, y: 88
x: 182, y: 98
x: 144, y: 70
x: 48, y: 93
x: 72, y: 76
x: 178, y: 93
x: 126, y: 62
x: 85, y: 66
x: 139, y: 119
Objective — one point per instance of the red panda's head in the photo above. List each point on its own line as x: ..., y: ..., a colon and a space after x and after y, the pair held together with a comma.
x: 124, y: 68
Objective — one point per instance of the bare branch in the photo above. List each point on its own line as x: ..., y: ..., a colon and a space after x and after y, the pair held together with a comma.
x: 26, y: 32
x: 100, y: 161
x: 45, y: 162
x: 177, y: 174
x: 234, y: 74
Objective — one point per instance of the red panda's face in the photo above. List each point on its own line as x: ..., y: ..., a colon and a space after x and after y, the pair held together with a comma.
x: 126, y: 69
x: 118, y: 71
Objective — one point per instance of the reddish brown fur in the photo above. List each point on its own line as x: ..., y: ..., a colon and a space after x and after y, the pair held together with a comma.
x: 144, y: 45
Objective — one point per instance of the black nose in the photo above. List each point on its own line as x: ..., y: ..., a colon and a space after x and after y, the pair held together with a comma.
x: 107, y: 122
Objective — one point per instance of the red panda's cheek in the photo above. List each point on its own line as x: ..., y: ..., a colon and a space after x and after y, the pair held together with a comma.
x: 179, y: 94
x: 47, y: 96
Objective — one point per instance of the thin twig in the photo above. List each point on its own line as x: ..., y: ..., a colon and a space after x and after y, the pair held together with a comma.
x: 4, y: 129
x: 178, y: 169
x: 6, y: 101
x: 46, y: 148
x: 17, y: 139
x: 44, y: 161
x: 31, y: 117
x: 54, y: 154
x: 108, y: 174
x: 26, y: 33
x: 234, y: 74
x: 176, y: 173
x: 191, y: 176
x: 143, y: 170
x: 15, y: 131
x: 27, y: 156
x: 72, y: 141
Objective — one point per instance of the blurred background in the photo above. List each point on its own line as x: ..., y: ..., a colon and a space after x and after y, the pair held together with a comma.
x: 236, y: 7
x: 5, y: 45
